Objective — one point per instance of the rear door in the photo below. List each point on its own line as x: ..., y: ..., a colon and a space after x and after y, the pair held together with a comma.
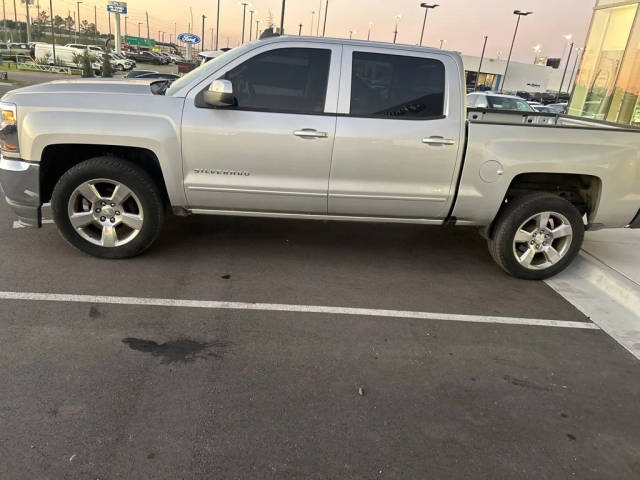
x: 399, y: 134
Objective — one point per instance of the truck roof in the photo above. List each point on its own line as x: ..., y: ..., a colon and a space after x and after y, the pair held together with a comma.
x: 343, y: 41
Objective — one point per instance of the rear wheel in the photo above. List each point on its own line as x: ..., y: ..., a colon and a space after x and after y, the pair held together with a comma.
x: 107, y: 207
x: 537, y: 236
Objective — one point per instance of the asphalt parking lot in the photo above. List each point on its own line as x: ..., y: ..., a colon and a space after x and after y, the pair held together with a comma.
x: 105, y: 388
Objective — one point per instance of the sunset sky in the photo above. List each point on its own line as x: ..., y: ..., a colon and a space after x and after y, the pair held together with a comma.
x: 462, y: 23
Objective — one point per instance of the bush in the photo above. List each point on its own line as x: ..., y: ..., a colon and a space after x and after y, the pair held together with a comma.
x: 87, y: 68
x: 107, y: 70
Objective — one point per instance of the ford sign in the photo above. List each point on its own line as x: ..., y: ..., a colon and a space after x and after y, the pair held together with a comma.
x: 189, y: 38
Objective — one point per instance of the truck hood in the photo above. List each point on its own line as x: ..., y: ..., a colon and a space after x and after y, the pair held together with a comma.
x: 97, y: 86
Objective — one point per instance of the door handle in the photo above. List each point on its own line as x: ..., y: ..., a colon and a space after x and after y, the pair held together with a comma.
x: 310, y: 133
x: 438, y: 141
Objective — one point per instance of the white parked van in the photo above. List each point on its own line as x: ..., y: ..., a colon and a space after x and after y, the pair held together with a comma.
x: 65, y: 56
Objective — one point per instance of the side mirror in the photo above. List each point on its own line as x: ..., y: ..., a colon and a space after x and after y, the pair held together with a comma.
x: 220, y: 94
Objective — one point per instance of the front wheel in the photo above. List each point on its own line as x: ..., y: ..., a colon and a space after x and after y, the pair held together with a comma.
x: 537, y: 236
x: 108, y: 207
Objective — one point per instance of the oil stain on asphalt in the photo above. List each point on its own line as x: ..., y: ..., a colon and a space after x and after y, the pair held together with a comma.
x: 179, y: 351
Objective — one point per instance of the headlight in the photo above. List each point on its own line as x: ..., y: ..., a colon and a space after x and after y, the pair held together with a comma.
x: 8, y: 128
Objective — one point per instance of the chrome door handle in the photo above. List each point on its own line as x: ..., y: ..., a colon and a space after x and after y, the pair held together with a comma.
x: 438, y: 141
x: 310, y: 133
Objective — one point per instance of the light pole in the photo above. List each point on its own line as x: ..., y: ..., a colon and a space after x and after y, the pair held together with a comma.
x: 217, y: 25
x: 395, y: 32
x: 204, y: 17
x: 484, y: 47
x: 282, y: 18
x: 251, y: 12
x: 300, y: 30
x: 28, y: 23
x: 536, y: 49
x: 244, y: 16
x: 125, y: 26
x: 564, y: 49
x: 257, y: 29
x: 575, y: 64
x: 53, y: 32
x: 520, y: 14
x: 139, y: 25
x: 351, y: 32
x: 565, y: 72
x: 326, y: 9
x: 313, y: 14
x: 369, y: 32
x: 442, y: 42
x: 78, y: 3
x: 424, y: 23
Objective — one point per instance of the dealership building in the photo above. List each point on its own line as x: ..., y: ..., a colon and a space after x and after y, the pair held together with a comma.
x: 607, y: 86
x: 521, y: 77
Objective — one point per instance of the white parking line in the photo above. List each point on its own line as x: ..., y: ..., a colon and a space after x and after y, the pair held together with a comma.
x: 277, y: 307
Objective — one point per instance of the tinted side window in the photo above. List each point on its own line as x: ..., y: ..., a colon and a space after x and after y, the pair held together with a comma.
x: 284, y: 80
x: 395, y: 86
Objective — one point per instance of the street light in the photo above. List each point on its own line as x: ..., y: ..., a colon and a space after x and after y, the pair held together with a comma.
x: 564, y: 50
x: 426, y: 11
x: 520, y: 14
x: 78, y: 18
x: 125, y: 26
x: 442, y: 42
x: 537, y: 50
x: 257, y: 28
x: 244, y: 16
x: 351, y: 32
x: 370, y: 28
x: 139, y: 25
x: 300, y: 29
x: 573, y: 72
x: 326, y: 9
x: 251, y: 12
x: 397, y: 19
x: 313, y: 14
x: 565, y: 72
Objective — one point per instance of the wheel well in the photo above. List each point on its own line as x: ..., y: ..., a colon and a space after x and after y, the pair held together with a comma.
x: 58, y: 159
x: 583, y: 191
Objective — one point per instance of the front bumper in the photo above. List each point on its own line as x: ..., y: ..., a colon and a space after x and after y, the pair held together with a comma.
x: 20, y: 184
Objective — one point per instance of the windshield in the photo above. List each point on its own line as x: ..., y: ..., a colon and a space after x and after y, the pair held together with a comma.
x: 508, y: 103
x: 205, y: 69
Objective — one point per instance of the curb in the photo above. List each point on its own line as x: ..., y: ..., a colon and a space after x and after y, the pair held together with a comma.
x: 608, y: 298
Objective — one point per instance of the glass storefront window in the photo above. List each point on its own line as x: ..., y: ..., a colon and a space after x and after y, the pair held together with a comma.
x: 597, y: 92
x: 486, y: 81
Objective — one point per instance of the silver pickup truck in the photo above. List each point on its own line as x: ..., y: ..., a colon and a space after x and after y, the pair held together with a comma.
x: 313, y: 128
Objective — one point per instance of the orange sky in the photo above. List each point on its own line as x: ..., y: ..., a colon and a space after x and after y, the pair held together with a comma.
x: 462, y: 23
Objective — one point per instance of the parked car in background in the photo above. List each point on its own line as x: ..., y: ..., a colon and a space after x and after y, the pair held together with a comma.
x: 176, y: 58
x: 144, y: 56
x: 12, y: 50
x: 209, y: 55
x: 77, y: 46
x: 562, y: 108
x: 121, y: 63
x: 65, y: 56
x: 164, y: 60
x: 543, y: 109
x: 137, y: 73
x: 159, y: 75
x: 497, y: 101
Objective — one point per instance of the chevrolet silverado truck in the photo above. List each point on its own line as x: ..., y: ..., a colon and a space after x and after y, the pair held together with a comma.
x: 314, y: 128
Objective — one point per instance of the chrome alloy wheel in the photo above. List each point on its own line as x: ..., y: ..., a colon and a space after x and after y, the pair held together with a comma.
x: 105, y: 213
x: 542, y: 240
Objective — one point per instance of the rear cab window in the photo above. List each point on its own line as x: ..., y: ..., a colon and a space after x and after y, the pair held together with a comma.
x: 396, y: 86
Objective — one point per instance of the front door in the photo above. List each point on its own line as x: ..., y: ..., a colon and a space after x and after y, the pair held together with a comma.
x: 399, y: 134
x: 272, y: 152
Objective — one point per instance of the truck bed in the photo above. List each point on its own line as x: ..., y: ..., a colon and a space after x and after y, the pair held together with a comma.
x: 510, y: 117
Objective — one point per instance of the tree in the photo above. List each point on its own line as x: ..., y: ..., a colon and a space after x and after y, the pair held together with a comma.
x: 59, y: 22
x: 87, y: 67
x: 69, y: 23
x: 107, y: 71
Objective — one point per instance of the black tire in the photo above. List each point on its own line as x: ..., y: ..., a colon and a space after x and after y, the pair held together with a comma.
x: 512, y: 217
x: 126, y: 173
